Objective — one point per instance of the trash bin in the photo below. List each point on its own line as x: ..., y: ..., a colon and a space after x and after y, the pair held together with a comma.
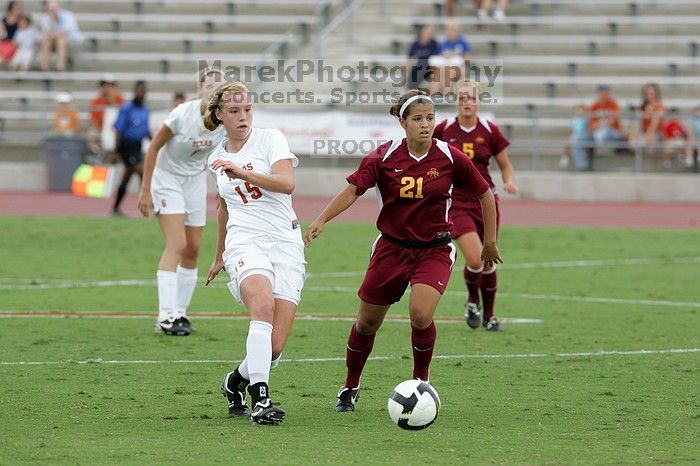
x: 63, y: 155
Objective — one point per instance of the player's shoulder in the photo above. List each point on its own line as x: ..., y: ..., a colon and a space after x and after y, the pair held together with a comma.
x: 218, y: 152
x: 450, y: 152
x: 386, y: 150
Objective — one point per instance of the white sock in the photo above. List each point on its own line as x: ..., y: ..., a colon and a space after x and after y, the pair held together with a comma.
x: 259, y: 351
x: 186, y: 282
x: 167, y: 294
x: 243, y: 369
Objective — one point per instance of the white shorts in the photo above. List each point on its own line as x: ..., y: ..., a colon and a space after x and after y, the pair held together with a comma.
x: 282, y: 262
x: 176, y: 194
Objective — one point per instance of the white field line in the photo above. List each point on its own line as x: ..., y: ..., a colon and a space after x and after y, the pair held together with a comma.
x: 641, y: 352
x: 299, y: 317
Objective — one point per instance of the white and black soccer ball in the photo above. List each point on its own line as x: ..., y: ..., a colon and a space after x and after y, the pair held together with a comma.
x: 414, y: 405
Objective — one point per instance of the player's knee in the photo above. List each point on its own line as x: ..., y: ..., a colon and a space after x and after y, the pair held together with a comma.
x: 191, y: 251
x: 367, y: 326
x: 420, y: 320
x: 263, y: 310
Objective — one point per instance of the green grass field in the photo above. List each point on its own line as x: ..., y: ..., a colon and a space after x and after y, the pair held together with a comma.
x: 592, y: 382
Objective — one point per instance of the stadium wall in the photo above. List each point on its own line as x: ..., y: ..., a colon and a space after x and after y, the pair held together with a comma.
x: 561, y: 186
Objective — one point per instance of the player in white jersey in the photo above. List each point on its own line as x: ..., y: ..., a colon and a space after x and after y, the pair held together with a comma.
x: 259, y: 243
x: 175, y: 188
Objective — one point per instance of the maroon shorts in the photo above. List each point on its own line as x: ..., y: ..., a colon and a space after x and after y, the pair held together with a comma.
x: 392, y: 267
x: 470, y: 220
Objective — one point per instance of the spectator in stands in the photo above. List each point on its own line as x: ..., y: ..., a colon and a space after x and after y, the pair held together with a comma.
x: 108, y: 96
x: 131, y: 129
x: 61, y: 32
x: 10, y: 21
x: 498, y: 13
x: 178, y: 98
x: 650, y: 117
x: 417, y: 66
x: 8, y: 29
x: 604, y: 117
x: 675, y: 141
x: 580, y: 140
x: 454, y: 54
x: 694, y: 133
x: 26, y: 38
x: 66, y: 119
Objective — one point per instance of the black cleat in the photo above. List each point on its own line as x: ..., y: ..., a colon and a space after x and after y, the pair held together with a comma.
x: 235, y: 398
x: 346, y: 399
x: 472, y: 314
x: 493, y: 324
x: 175, y: 327
x: 264, y: 412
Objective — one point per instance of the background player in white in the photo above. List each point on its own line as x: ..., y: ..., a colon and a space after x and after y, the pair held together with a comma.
x: 175, y: 187
x: 259, y: 243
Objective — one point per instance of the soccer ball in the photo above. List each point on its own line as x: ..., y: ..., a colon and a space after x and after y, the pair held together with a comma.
x: 413, y: 405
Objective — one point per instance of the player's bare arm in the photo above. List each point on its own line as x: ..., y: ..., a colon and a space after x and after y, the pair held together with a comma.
x: 222, y: 220
x: 507, y: 172
x: 338, y: 204
x: 281, y: 180
x: 145, y: 203
x: 489, y: 253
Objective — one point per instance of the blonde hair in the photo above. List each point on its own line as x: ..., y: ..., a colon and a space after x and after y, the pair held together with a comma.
x: 466, y: 83
x: 221, y: 95
x: 206, y: 72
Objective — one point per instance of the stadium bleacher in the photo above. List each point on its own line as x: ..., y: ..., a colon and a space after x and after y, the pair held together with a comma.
x: 553, y: 53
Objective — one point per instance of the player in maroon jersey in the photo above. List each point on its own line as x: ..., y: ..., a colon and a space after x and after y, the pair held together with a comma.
x: 480, y: 140
x: 414, y: 177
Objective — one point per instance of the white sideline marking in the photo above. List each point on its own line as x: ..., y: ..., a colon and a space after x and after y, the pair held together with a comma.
x: 307, y: 317
x: 641, y: 352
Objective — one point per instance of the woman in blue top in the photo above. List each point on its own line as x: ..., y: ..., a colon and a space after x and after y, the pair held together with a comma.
x: 454, y: 55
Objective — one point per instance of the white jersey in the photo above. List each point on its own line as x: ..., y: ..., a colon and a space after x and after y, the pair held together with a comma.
x: 254, y: 211
x: 187, y: 151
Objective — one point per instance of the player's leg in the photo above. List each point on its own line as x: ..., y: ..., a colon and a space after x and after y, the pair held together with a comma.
x: 421, y: 308
x: 470, y: 245
x: 187, y: 268
x: 173, y: 229
x: 256, y: 294
x: 489, y: 287
x: 358, y: 349
x: 429, y: 278
x: 121, y: 190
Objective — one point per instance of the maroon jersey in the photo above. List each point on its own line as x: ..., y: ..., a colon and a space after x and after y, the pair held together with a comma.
x: 480, y: 143
x: 416, y: 193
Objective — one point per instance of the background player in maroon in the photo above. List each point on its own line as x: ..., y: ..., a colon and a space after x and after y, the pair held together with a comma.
x: 414, y: 177
x: 480, y: 140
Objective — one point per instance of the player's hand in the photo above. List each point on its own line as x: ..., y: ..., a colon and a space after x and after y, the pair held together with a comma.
x: 490, y: 255
x: 145, y: 203
x: 313, y: 231
x: 215, y: 268
x: 510, y: 187
x: 231, y: 170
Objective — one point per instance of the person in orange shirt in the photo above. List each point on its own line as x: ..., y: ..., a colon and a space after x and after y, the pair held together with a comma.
x: 66, y: 118
x: 604, y: 117
x: 109, y: 96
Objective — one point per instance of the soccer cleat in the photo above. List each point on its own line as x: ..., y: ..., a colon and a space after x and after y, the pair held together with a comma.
x: 346, y: 399
x: 175, y: 327
x: 264, y: 412
x: 236, y: 398
x: 493, y: 324
x: 472, y: 314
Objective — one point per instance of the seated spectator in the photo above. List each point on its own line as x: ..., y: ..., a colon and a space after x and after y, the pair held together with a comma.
x: 675, y: 141
x: 454, y: 53
x: 604, y: 117
x: 580, y: 140
x: 66, y: 119
x: 483, y: 6
x: 60, y: 33
x: 8, y: 29
x: 178, y: 98
x: 10, y: 21
x: 650, y: 115
x: 26, y: 38
x: 417, y: 66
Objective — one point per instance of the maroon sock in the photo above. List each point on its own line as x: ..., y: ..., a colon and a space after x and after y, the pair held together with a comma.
x: 358, y: 350
x: 423, y: 342
x: 472, y: 279
x: 488, y: 292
